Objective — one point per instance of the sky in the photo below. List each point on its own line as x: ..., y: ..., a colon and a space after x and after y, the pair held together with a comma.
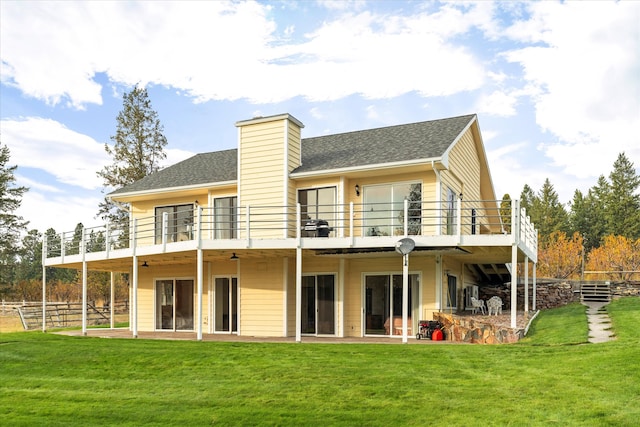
x: 555, y: 85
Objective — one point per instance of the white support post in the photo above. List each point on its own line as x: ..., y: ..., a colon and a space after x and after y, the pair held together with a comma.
x: 134, y: 280
x: 515, y: 222
x: 298, y: 294
x: 514, y: 285
x: 83, y: 248
x: 405, y: 297
x: 112, y: 300
x: 526, y: 285
x: 341, y: 323
x: 199, y: 273
x: 200, y: 278
x: 535, y: 290
x: 44, y: 284
x: 459, y: 219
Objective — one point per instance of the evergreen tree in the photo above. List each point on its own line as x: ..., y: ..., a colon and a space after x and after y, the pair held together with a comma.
x: 527, y: 199
x: 550, y: 213
x: 623, y: 208
x: 30, y: 266
x: 11, y: 224
x: 598, y: 205
x: 138, y: 148
x: 505, y: 212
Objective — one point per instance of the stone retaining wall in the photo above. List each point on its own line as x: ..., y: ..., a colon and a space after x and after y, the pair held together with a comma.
x: 472, y: 330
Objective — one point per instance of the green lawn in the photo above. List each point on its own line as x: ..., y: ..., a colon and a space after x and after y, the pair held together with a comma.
x: 551, y: 377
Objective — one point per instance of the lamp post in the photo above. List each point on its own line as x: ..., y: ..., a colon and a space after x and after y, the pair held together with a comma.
x: 404, y: 247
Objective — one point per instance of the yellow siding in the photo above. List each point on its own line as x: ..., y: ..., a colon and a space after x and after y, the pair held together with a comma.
x: 262, y: 297
x: 294, y: 146
x: 464, y: 177
x: 264, y: 168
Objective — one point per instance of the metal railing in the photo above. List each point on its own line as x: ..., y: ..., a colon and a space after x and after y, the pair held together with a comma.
x: 404, y: 218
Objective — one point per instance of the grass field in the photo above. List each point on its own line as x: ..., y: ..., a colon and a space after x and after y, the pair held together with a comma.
x: 553, y: 377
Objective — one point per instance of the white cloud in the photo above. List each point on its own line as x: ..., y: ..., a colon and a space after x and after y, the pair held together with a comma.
x: 498, y: 103
x: 61, y: 212
x: 229, y: 51
x: 70, y: 157
x: 34, y: 185
x: 585, y: 73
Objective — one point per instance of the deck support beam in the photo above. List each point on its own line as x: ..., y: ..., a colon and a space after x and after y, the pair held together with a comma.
x: 526, y: 285
x: 514, y: 285
x: 535, y: 290
x: 200, y: 278
x: 111, y: 301
x: 83, y: 248
x: 298, y: 294
x: 44, y: 284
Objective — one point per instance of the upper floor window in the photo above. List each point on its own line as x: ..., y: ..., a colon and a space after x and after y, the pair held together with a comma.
x: 226, y: 217
x: 384, y: 209
x: 179, y: 222
x: 318, y: 204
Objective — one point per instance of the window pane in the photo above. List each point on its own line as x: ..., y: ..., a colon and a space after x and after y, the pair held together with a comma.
x: 326, y: 305
x: 184, y: 304
x: 378, y: 210
x: 184, y: 223
x: 317, y: 203
x: 452, y: 291
x: 159, y: 218
x: 225, y: 217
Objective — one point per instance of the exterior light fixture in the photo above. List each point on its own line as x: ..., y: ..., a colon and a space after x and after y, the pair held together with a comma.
x: 145, y: 265
x: 234, y: 257
x: 357, y: 190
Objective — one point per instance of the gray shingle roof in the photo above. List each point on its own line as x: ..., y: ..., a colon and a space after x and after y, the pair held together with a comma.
x: 204, y: 168
x: 422, y: 140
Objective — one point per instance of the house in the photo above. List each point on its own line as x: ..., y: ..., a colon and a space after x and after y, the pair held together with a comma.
x: 288, y: 236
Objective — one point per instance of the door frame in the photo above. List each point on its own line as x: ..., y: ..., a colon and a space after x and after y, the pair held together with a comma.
x: 415, y: 307
x: 335, y: 303
x: 155, y: 303
x: 212, y: 303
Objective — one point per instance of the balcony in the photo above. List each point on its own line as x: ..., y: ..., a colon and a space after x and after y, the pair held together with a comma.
x: 328, y: 227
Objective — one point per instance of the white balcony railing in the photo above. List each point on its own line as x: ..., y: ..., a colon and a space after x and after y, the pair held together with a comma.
x: 406, y: 218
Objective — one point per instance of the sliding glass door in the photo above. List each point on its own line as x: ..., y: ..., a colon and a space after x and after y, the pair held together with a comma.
x: 226, y: 304
x: 174, y: 304
x: 383, y: 304
x: 318, y: 304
